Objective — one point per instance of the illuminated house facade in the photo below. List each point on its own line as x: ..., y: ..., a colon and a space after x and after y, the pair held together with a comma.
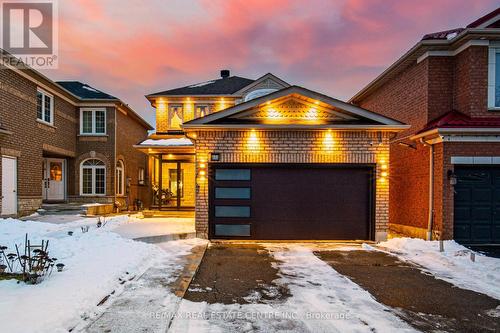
x: 261, y: 159
x: 172, y: 154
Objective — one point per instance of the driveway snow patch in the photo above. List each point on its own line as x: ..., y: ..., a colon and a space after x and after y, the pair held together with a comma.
x: 454, y: 265
x: 322, y: 300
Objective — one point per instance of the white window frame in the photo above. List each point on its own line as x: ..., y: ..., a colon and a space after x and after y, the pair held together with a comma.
x: 492, y: 52
x: 45, y: 94
x: 120, y: 178
x: 93, y: 168
x: 94, y: 123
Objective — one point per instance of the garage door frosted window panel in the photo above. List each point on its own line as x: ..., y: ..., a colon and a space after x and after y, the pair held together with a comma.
x: 232, y: 193
x: 232, y: 230
x: 232, y: 174
x: 232, y: 211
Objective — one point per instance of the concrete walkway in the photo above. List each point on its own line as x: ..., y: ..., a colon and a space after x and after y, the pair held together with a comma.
x: 148, y: 302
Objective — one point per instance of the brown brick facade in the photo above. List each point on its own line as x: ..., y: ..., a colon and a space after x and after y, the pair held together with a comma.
x: 131, y: 134
x: 419, y: 93
x: 294, y: 147
x: 32, y: 140
x: 18, y: 114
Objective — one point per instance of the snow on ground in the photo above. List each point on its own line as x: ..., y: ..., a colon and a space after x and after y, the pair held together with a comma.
x: 167, y: 142
x: 453, y: 265
x: 144, y: 301
x: 321, y: 300
x: 94, y: 262
x: 136, y: 228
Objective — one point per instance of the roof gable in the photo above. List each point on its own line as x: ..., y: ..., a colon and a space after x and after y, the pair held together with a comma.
x: 292, y: 110
x: 293, y: 106
x: 267, y: 81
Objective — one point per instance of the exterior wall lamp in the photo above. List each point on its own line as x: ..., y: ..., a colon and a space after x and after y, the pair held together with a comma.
x: 215, y: 157
x: 452, y: 178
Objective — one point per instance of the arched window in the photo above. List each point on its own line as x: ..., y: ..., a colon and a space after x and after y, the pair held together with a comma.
x: 120, y: 178
x: 93, y: 177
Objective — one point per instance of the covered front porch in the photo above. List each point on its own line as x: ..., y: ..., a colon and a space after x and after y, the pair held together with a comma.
x: 172, y: 172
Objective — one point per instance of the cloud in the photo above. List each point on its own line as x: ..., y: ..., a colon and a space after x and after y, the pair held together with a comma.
x: 132, y: 48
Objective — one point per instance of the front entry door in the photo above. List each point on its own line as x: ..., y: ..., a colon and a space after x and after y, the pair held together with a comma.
x: 177, y: 185
x: 9, y: 185
x: 54, y: 179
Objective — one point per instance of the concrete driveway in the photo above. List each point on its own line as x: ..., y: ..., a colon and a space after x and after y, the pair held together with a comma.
x: 426, y: 303
x: 324, y: 288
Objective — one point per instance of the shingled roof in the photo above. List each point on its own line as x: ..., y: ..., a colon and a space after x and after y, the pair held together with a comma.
x: 84, y: 91
x: 455, y: 119
x: 450, y: 34
x: 223, y: 86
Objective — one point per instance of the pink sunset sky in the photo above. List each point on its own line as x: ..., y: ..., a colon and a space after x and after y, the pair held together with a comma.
x: 130, y: 48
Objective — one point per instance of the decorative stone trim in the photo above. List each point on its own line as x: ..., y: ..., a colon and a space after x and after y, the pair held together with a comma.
x: 10, y: 152
x: 58, y: 150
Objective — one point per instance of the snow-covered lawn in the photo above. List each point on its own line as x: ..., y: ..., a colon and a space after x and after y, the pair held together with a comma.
x: 321, y: 300
x: 95, y: 261
x: 453, y: 265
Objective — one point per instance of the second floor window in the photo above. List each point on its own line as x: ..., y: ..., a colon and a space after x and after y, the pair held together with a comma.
x: 494, y: 78
x: 201, y: 111
x: 44, y: 106
x: 93, y: 121
x: 175, y: 118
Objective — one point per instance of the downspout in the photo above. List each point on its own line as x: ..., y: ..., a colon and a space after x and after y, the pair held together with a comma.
x: 113, y: 167
x: 430, y: 218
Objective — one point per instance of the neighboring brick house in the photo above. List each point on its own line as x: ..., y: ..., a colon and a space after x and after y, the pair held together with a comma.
x: 50, y: 154
x: 447, y: 87
x: 260, y: 159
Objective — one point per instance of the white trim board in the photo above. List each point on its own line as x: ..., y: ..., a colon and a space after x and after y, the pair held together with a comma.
x: 448, y: 53
x: 476, y: 160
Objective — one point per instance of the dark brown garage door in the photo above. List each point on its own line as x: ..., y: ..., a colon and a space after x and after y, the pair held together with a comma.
x: 308, y: 202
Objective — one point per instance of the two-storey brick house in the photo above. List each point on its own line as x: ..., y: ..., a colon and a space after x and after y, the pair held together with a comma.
x: 445, y: 179
x: 65, y: 142
x: 261, y: 159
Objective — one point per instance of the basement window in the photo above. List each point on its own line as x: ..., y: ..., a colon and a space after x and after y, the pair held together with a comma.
x: 494, y: 78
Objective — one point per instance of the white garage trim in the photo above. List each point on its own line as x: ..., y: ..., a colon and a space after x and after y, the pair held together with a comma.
x: 476, y: 160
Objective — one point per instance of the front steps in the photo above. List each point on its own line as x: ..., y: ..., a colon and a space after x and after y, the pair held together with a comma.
x: 76, y: 209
